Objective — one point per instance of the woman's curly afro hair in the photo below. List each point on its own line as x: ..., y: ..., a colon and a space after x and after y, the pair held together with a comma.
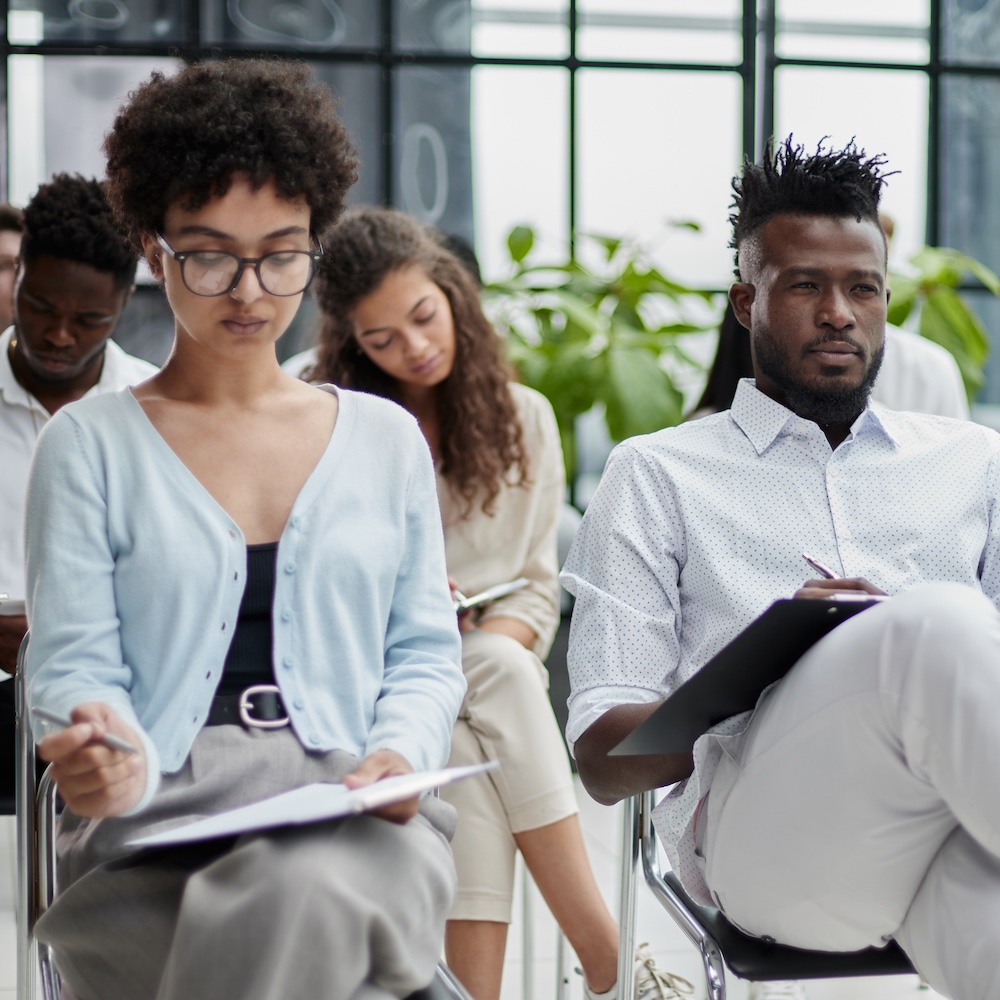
x: 184, y: 138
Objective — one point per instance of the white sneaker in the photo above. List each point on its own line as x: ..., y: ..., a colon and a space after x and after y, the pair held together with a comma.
x: 780, y: 989
x: 651, y: 983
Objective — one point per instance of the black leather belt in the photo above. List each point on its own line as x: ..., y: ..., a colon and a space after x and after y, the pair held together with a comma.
x: 258, y: 707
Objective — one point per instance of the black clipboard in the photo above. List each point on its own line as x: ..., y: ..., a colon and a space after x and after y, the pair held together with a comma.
x: 732, y: 681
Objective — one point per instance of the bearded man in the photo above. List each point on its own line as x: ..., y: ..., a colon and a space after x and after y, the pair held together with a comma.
x: 857, y: 802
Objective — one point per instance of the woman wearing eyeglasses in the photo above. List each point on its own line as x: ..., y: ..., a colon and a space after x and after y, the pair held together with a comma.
x: 222, y: 531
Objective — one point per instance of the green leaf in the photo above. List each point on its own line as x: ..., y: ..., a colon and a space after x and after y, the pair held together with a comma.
x: 904, y: 294
x: 984, y: 274
x: 695, y: 227
x: 519, y: 242
x: 948, y: 321
x: 639, y: 395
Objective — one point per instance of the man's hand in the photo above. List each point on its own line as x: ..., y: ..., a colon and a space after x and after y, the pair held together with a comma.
x: 12, y: 629
x: 385, y: 764
x: 94, y: 780
x: 813, y: 590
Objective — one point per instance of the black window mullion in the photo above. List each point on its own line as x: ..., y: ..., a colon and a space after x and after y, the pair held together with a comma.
x: 748, y: 74
x: 571, y: 159
x: 388, y: 110
x: 933, y: 234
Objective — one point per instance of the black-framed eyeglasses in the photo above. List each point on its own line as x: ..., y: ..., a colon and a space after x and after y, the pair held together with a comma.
x: 215, y: 272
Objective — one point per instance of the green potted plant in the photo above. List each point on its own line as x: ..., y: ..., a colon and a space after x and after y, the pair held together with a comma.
x: 610, y: 333
x: 932, y: 285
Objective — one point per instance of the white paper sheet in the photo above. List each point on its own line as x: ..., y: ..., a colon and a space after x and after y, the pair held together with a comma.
x: 310, y: 804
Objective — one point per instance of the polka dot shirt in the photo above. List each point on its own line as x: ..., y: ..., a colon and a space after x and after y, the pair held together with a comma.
x: 695, y: 530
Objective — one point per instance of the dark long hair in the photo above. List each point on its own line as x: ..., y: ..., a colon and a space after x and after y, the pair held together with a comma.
x: 481, y: 444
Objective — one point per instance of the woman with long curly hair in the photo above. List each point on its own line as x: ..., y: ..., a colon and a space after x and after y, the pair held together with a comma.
x: 243, y: 577
x: 402, y: 318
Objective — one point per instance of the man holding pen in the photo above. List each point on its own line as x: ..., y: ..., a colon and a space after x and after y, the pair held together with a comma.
x: 857, y: 803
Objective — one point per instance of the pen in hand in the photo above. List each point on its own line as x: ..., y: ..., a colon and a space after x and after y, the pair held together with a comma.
x: 825, y: 571
x: 108, y: 740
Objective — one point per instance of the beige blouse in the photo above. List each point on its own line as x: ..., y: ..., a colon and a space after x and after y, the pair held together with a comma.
x: 519, y: 538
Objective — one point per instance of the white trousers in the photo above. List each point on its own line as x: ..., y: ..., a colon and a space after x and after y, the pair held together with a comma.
x: 865, y: 803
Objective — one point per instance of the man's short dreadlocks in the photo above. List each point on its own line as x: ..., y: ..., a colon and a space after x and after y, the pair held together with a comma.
x: 829, y: 182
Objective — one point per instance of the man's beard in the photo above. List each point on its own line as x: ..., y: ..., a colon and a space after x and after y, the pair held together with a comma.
x: 824, y: 404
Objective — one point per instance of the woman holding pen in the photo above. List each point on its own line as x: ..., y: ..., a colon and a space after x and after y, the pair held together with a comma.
x: 402, y: 319
x: 223, y: 528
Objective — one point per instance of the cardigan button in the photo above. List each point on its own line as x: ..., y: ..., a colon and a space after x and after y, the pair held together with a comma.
x: 286, y: 615
x: 290, y: 567
x: 299, y: 704
x: 287, y: 663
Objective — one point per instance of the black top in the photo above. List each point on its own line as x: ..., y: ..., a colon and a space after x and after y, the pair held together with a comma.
x: 249, y: 660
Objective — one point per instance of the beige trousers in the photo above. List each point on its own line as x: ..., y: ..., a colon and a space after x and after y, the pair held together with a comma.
x: 506, y: 716
x: 864, y: 802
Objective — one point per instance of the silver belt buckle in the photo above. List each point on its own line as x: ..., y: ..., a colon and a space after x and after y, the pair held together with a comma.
x: 246, y: 707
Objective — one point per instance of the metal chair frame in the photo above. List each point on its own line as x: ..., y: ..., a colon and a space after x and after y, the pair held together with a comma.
x: 772, y: 960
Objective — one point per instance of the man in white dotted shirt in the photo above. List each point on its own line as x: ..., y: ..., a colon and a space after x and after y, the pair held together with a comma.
x: 858, y: 802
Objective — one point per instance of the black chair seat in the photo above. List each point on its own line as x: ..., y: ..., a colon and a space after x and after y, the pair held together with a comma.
x: 750, y: 958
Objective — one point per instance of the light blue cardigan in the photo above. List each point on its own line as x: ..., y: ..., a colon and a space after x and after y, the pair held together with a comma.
x: 135, y: 576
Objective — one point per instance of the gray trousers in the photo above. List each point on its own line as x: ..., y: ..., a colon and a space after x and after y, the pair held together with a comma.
x: 350, y: 909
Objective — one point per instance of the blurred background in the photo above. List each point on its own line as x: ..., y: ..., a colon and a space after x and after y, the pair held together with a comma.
x: 620, y: 117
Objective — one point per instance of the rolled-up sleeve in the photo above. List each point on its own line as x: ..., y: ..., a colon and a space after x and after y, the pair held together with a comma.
x: 623, y: 570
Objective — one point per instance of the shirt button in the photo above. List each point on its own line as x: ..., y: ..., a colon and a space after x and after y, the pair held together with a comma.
x: 236, y: 576
x: 294, y: 521
x: 223, y: 626
x: 834, y: 471
x: 232, y: 534
x: 286, y: 615
x: 290, y: 567
x: 287, y: 663
x: 299, y: 704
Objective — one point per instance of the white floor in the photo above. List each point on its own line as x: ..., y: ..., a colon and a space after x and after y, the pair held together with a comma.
x: 602, y: 829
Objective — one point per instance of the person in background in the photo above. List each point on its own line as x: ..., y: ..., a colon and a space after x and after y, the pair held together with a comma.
x: 221, y: 529
x: 402, y: 319
x: 74, y: 278
x: 11, y: 228
x: 916, y: 373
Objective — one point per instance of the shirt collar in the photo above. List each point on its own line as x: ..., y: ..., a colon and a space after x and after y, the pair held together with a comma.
x: 10, y: 389
x: 763, y: 420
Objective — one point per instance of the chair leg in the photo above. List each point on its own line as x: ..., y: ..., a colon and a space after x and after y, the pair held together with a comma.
x: 626, y: 909
x: 715, y: 971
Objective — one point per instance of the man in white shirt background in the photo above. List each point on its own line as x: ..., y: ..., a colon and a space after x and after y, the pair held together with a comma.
x: 857, y: 802
x: 73, y: 280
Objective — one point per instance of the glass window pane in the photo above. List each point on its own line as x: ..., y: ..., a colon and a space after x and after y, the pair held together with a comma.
x: 526, y: 28
x: 59, y: 110
x: 886, y: 31
x: 843, y: 104
x: 970, y: 166
x: 660, y: 30
x: 95, y: 22
x: 647, y: 157
x: 304, y: 24
x: 433, y: 160
x: 359, y: 91
x: 970, y: 31
x: 520, y: 158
